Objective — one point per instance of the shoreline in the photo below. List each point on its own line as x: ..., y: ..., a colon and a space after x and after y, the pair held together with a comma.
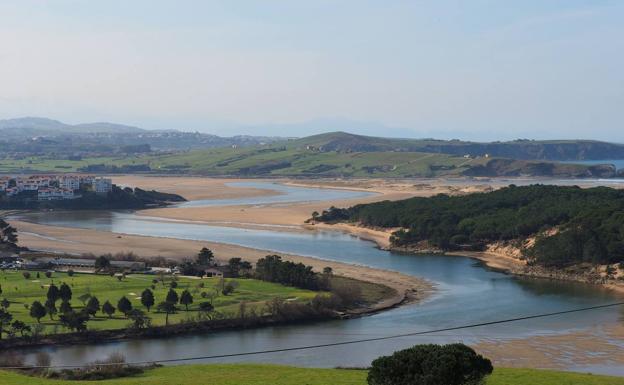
x: 408, y: 289
x: 497, y: 261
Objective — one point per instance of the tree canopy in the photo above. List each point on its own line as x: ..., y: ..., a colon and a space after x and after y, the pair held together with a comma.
x: 455, y: 364
x: 589, y: 223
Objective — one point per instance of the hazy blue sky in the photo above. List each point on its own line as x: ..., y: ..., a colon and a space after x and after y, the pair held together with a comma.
x: 466, y: 69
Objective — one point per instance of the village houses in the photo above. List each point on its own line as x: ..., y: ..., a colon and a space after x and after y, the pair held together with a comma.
x: 54, y: 187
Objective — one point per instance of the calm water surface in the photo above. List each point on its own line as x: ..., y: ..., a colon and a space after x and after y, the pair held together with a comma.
x: 466, y: 293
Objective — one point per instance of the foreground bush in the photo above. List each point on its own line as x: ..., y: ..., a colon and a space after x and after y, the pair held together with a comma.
x: 455, y: 364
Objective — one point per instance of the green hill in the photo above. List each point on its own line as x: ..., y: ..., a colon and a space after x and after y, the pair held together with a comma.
x: 339, y: 154
x: 554, y: 150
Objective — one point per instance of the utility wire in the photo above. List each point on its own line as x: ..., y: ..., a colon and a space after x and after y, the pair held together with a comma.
x: 309, y: 347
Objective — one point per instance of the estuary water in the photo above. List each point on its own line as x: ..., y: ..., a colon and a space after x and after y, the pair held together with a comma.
x: 466, y: 293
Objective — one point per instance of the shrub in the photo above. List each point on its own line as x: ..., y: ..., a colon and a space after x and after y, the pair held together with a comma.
x: 113, y: 367
x: 454, y: 364
x: 347, y: 294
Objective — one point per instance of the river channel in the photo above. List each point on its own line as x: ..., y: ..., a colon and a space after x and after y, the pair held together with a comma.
x: 466, y: 292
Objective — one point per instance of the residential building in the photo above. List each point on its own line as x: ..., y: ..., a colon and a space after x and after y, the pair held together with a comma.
x: 54, y: 187
x: 51, y: 194
x: 102, y: 185
x: 70, y: 182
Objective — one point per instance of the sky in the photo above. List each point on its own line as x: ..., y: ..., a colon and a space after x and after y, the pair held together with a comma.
x: 478, y: 70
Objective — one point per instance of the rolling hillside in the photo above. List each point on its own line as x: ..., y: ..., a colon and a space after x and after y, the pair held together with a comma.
x: 556, y: 150
x: 346, y: 155
x: 335, y: 154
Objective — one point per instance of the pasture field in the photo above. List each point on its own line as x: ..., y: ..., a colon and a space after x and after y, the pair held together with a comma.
x: 250, y: 374
x: 22, y: 292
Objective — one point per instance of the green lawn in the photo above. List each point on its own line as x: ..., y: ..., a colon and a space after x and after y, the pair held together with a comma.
x: 48, y: 164
x: 228, y: 161
x: 248, y: 374
x: 21, y: 292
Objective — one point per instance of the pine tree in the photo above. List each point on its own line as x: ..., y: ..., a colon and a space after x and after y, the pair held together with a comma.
x: 93, y: 306
x: 147, y: 299
x: 50, y: 307
x: 53, y: 293
x: 172, y: 297
x: 108, y: 309
x: 37, y: 311
x: 65, y: 292
x: 124, y: 305
x: 186, y: 299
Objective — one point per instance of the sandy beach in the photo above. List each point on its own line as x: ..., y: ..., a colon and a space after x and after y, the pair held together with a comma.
x: 191, y: 188
x: 292, y: 214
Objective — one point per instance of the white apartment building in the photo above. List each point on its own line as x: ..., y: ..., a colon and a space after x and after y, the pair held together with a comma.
x: 102, y: 185
x: 69, y: 182
x: 50, y: 194
x: 67, y: 185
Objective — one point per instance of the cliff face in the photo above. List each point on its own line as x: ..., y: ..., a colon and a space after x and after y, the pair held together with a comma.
x: 526, y: 150
x: 511, y: 167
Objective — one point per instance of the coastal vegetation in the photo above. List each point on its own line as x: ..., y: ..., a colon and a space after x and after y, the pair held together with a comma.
x: 570, y: 225
x: 256, y: 374
x: 8, y: 236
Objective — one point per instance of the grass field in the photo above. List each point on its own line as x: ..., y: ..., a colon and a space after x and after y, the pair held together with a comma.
x: 52, y: 165
x: 247, y: 374
x: 20, y: 292
x: 331, y: 154
x: 255, y: 161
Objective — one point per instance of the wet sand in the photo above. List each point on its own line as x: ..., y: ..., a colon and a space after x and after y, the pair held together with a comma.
x: 295, y: 214
x: 191, y: 188
x: 604, y: 343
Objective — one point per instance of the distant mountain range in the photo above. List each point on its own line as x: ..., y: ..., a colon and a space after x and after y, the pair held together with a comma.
x: 32, y: 126
x: 43, y: 135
